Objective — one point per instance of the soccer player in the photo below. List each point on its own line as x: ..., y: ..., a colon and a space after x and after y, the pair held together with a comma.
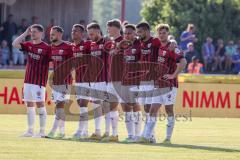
x: 81, y: 48
x: 133, y: 115
x: 62, y: 79
x: 168, y: 55
x: 114, y: 82
x: 98, y: 70
x: 149, y: 48
x: 35, y: 77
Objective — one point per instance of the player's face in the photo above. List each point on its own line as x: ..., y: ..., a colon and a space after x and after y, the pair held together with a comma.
x: 76, y: 34
x: 163, y: 35
x: 93, y: 34
x: 129, y: 34
x: 54, y: 36
x: 111, y: 31
x: 142, y: 34
x: 35, y: 34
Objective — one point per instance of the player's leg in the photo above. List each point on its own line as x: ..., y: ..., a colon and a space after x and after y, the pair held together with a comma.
x: 82, y: 131
x: 137, y: 114
x: 42, y: 118
x: 129, y: 120
x: 170, y: 99
x: 31, y: 113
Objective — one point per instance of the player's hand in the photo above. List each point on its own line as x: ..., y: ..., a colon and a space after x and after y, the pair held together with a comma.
x: 28, y: 31
x: 169, y: 76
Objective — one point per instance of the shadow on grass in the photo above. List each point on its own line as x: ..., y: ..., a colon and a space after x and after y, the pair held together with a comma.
x: 184, y: 146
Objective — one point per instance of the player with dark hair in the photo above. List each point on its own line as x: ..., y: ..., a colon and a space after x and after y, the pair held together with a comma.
x: 62, y: 79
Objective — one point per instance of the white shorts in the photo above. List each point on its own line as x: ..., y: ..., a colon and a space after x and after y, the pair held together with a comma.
x: 114, y: 91
x: 129, y: 94
x: 98, y: 91
x: 164, y: 96
x: 146, y: 89
x: 33, y: 93
x: 61, y: 93
x: 82, y: 91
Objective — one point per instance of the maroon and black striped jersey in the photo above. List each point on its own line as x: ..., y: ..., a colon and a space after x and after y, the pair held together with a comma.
x: 149, y: 52
x: 98, y: 68
x: 80, y: 63
x: 170, y: 59
x: 130, y: 57
x: 62, y: 57
x: 37, y: 62
x: 115, y: 66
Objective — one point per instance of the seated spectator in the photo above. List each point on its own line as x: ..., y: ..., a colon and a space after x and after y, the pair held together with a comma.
x: 220, y: 54
x: 195, y: 67
x: 48, y: 29
x: 18, y: 56
x: 5, y: 53
x: 236, y: 61
x: 190, y: 52
x: 188, y: 36
x: 208, y: 54
x: 230, y: 51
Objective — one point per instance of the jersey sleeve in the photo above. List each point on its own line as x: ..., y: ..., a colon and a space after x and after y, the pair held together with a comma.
x: 156, y: 44
x: 25, y: 46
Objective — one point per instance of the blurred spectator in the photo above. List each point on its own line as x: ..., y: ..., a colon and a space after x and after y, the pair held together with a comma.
x: 195, y: 67
x: 230, y: 51
x: 171, y: 37
x: 35, y: 20
x: 208, y: 54
x: 188, y: 36
x: 190, y: 52
x: 18, y: 56
x: 85, y: 35
x: 82, y: 22
x: 9, y: 29
x: 24, y: 25
x: 5, y: 53
x: 220, y: 54
x: 48, y: 29
x: 236, y: 61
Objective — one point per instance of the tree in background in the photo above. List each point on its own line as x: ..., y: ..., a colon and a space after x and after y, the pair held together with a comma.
x: 215, y: 18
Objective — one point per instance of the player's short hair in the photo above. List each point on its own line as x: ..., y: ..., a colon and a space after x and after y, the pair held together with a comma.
x: 163, y: 26
x: 81, y: 27
x: 114, y: 23
x: 93, y: 26
x: 130, y: 26
x: 39, y: 27
x: 143, y: 25
x: 58, y: 29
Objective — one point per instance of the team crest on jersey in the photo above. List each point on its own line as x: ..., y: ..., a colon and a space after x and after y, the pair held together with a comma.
x: 101, y: 46
x: 134, y: 51
x: 81, y: 48
x: 177, y: 51
x: 61, y: 51
x: 149, y: 45
x: 39, y: 51
x: 164, y: 53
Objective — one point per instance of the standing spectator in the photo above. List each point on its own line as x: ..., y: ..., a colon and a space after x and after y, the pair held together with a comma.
x: 188, y: 36
x: 220, y: 54
x: 190, y: 52
x: 195, y: 67
x: 18, y: 56
x: 5, y: 53
x: 48, y: 29
x: 230, y: 51
x: 35, y: 20
x: 9, y: 29
x: 23, y: 26
x: 236, y: 61
x: 208, y: 54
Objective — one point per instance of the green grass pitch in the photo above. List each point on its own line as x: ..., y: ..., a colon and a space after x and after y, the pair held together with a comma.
x: 199, y: 139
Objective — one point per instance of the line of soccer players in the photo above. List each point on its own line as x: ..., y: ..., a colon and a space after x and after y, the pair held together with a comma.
x: 130, y: 70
